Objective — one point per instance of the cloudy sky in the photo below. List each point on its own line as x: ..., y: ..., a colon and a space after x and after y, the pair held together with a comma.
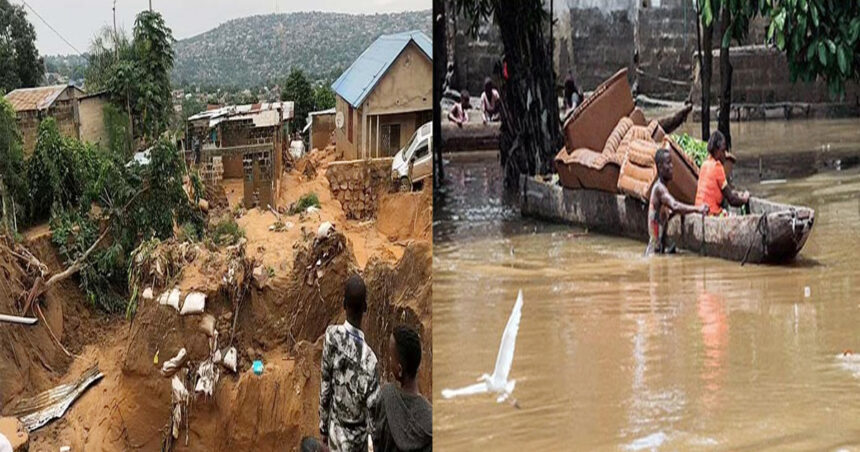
x: 78, y: 20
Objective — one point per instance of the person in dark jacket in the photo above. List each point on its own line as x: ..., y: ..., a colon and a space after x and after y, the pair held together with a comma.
x: 404, y: 418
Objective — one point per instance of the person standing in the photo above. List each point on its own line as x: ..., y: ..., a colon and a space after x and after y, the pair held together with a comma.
x: 403, y: 419
x: 349, y: 387
x: 663, y: 205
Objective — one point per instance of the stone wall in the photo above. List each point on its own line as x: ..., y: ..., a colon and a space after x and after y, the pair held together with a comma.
x: 761, y: 77
x: 358, y: 184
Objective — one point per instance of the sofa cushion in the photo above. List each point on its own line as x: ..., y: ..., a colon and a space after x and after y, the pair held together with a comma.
x: 638, y: 171
x: 638, y: 117
x: 617, y: 135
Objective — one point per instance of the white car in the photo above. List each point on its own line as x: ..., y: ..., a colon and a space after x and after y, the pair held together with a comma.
x: 414, y: 162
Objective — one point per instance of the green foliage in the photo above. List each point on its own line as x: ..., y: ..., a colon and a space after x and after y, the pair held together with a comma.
x: 153, y: 45
x: 58, y: 173
x: 323, y: 97
x: 106, y: 49
x: 137, y: 73
x: 298, y: 89
x: 135, y: 204
x: 692, y: 146
x: 117, y: 128
x: 307, y: 200
x: 741, y: 13
x: 13, y: 184
x: 227, y: 232
x: 20, y: 64
x: 820, y: 39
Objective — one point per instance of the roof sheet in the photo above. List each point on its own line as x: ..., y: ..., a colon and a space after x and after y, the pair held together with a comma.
x: 356, y: 83
x: 25, y: 99
x: 263, y: 114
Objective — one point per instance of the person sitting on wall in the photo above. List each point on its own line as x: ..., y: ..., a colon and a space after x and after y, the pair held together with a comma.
x: 403, y: 419
x: 458, y: 114
x: 713, y: 187
x: 663, y: 205
x: 491, y: 102
x: 572, y: 94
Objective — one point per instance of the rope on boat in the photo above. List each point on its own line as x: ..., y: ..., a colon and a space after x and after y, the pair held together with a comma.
x: 762, y: 222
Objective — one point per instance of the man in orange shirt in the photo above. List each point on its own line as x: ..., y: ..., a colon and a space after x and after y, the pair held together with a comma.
x: 713, y: 187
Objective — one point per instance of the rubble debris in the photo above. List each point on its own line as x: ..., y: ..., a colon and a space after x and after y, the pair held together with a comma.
x: 207, y: 325
x: 17, y: 319
x: 14, y: 432
x: 195, y: 302
x: 173, y: 364
x: 179, y: 395
x: 38, y: 410
x: 325, y: 230
x: 147, y: 293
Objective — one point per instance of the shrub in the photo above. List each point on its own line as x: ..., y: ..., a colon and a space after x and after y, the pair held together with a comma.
x: 307, y: 200
x: 227, y: 232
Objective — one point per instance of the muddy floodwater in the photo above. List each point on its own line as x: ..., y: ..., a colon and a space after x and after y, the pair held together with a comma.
x: 620, y: 352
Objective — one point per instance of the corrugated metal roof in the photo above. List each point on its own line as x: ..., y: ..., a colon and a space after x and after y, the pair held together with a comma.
x: 263, y: 114
x: 26, y: 99
x: 356, y: 83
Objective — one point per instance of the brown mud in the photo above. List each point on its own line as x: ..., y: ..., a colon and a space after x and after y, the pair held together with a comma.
x: 281, y: 319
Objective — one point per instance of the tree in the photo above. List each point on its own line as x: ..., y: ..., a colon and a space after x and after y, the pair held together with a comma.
x: 106, y: 49
x: 530, y: 131
x: 323, y: 97
x: 20, y: 64
x: 735, y: 17
x: 13, y: 185
x: 153, y: 45
x: 820, y: 39
x: 298, y: 89
x: 440, y: 57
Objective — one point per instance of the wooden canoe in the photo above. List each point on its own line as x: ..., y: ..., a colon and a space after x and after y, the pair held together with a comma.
x: 770, y: 233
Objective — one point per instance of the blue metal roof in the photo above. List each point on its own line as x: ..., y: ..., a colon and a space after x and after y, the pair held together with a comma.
x: 361, y: 77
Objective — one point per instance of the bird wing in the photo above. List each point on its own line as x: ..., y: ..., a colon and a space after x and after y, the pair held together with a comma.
x: 509, y: 339
x: 477, y: 388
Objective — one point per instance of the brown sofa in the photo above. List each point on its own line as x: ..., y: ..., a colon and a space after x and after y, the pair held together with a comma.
x: 592, y: 155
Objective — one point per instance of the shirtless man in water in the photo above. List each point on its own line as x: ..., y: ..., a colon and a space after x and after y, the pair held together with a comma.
x: 663, y: 205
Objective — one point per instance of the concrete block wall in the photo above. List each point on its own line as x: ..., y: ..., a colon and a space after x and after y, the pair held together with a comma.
x: 358, y: 184
x: 761, y: 76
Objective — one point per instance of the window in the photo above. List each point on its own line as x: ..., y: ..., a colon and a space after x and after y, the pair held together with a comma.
x: 422, y: 150
x: 389, y: 139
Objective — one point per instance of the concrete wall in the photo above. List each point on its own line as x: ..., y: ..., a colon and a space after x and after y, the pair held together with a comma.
x: 92, y: 123
x: 596, y: 38
x: 409, y: 122
x: 358, y: 185
x: 348, y: 148
x: 321, y: 128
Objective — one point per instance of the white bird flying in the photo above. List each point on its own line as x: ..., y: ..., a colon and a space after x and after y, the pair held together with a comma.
x: 497, y: 382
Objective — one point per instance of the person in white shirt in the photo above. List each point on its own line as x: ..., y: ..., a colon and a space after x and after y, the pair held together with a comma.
x: 490, y: 102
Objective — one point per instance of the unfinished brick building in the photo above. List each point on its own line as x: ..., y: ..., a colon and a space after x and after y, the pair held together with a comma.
x: 241, y: 141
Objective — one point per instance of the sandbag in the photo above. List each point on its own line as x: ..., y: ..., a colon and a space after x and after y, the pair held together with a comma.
x: 170, y: 298
x: 229, y: 360
x: 195, y: 303
x: 173, y: 364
